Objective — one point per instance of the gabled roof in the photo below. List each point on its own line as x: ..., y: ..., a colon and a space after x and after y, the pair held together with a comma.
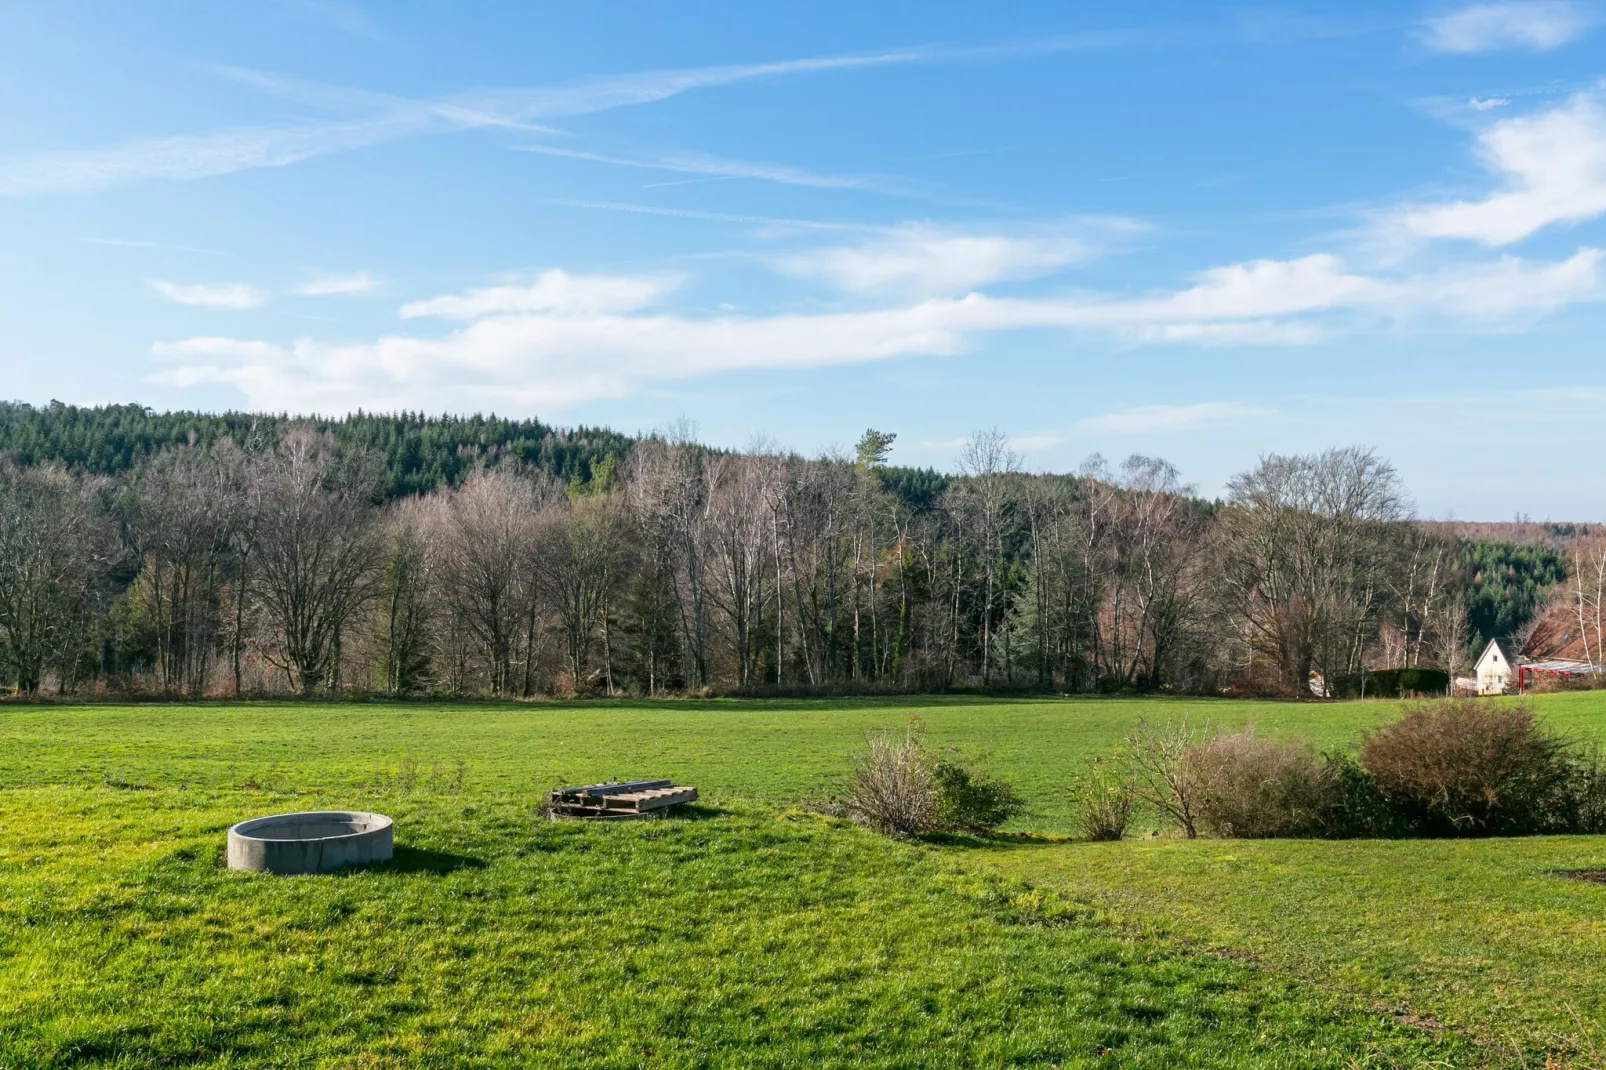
x: 1507, y: 647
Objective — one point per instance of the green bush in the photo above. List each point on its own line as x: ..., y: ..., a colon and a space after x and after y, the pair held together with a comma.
x: 1392, y: 683
x: 971, y: 802
x: 1353, y: 808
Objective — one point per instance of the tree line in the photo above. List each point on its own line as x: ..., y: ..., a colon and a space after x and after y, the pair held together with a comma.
x: 418, y: 452
x: 285, y: 560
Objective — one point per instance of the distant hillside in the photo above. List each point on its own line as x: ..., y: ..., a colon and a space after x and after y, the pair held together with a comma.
x: 421, y: 452
x: 1530, y: 533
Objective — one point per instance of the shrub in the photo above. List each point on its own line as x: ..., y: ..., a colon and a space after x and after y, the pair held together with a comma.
x: 1161, y: 773
x: 1464, y: 768
x: 893, y: 789
x: 972, y: 802
x: 1105, y: 798
x: 1353, y: 808
x: 1250, y: 787
x: 1585, y: 807
x: 1392, y: 683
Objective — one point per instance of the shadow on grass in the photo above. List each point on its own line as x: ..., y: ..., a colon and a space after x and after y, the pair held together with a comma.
x: 695, y: 812
x: 995, y: 841
x: 424, y: 860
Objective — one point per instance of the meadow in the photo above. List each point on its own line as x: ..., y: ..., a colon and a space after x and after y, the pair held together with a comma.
x: 749, y: 931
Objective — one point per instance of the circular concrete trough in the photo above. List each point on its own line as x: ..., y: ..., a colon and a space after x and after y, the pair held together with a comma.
x: 314, y: 842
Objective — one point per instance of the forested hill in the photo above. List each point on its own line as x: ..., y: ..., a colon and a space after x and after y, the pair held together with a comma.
x: 421, y: 452
x: 1508, y: 570
x: 1505, y: 583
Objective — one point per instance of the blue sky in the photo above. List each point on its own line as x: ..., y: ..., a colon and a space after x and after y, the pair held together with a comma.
x: 1200, y: 232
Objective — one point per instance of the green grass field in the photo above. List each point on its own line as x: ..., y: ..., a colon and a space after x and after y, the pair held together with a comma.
x: 748, y: 932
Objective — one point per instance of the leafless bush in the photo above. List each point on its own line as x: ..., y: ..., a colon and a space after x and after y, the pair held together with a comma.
x: 1252, y: 787
x: 1463, y: 767
x: 1105, y: 799
x: 893, y: 789
x: 1161, y: 773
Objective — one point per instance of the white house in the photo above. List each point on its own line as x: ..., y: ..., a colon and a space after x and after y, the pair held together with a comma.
x: 1497, y: 667
x: 1502, y: 669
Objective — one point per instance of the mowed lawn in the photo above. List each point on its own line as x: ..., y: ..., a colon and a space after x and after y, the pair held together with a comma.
x: 749, y: 932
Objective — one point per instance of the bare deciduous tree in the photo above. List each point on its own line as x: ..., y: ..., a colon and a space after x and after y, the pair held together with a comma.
x: 317, y: 550
x: 582, y: 551
x: 485, y: 535
x: 1305, y: 548
x: 408, y: 592
x: 55, y: 545
x: 183, y: 513
x: 989, y: 499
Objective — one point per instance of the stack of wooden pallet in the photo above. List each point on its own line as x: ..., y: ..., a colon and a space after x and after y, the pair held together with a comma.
x: 634, y: 799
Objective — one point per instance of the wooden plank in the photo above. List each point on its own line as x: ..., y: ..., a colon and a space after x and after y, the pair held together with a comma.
x: 657, y: 799
x: 667, y: 798
x: 631, y: 799
x: 598, y: 790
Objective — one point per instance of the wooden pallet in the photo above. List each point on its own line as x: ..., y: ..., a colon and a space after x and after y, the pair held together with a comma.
x: 634, y: 799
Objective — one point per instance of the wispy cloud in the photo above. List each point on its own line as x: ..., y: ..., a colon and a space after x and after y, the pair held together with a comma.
x: 1149, y: 418
x: 229, y: 295
x: 718, y: 167
x: 121, y: 243
x: 347, y: 18
x: 1552, y: 167
x: 355, y: 284
x: 552, y: 292
x: 188, y: 157
x: 1535, y: 25
x: 923, y: 258
x: 1487, y: 103
x: 777, y: 222
x: 565, y: 339
x: 1033, y: 443
x: 374, y: 118
x: 368, y: 118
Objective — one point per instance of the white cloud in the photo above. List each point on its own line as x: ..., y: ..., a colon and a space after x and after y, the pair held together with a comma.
x: 1535, y: 25
x: 1264, y: 288
x: 1145, y: 418
x: 1033, y: 443
x: 1486, y: 103
x: 1553, y: 166
x: 921, y: 258
x: 554, y: 292
x: 1250, y: 332
x: 1507, y: 287
x: 565, y: 339
x: 230, y: 295
x: 358, y: 283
